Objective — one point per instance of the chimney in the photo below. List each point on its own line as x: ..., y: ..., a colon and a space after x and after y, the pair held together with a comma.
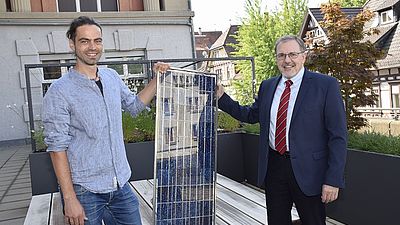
x: 200, y: 31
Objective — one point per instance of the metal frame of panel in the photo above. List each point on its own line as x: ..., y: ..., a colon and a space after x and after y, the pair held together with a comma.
x: 185, y: 149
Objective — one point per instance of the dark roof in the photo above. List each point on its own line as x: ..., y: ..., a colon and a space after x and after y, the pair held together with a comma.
x: 226, y: 39
x: 391, y: 45
x: 377, y: 5
x: 204, y: 40
x: 319, y: 16
x: 383, y: 30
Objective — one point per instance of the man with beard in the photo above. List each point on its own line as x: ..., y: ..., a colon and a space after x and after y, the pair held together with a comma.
x: 303, y: 136
x: 83, y: 130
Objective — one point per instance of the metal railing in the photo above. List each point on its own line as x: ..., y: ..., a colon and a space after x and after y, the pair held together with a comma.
x: 182, y: 63
x: 386, y: 113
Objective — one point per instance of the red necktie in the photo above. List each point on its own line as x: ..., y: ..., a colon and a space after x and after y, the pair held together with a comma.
x: 280, y: 131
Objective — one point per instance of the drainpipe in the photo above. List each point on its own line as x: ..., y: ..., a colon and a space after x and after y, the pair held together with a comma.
x: 192, y: 33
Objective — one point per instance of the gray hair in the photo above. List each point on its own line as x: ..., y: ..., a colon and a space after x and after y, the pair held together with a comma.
x: 287, y: 38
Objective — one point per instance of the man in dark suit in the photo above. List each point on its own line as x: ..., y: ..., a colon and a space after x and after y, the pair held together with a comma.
x: 303, y: 136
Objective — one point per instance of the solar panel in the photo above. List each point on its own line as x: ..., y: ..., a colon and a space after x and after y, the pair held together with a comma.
x: 185, y: 148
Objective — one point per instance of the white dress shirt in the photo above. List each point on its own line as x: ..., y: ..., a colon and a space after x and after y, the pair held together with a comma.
x: 294, y: 90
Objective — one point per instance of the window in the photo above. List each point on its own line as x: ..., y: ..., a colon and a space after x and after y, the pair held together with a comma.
x: 387, y: 16
x: 133, y: 74
x: 169, y: 108
x: 396, y: 101
x: 170, y: 135
x: 8, y: 5
x: 107, y: 5
x: 87, y: 5
x: 192, y: 104
x: 195, y: 131
x: 395, y: 96
x: 52, y: 73
x: 162, y: 5
x: 375, y: 89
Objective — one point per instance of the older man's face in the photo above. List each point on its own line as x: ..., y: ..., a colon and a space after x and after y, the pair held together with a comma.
x: 290, y: 58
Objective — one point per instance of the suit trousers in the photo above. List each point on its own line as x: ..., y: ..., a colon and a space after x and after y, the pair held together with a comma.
x: 282, y: 191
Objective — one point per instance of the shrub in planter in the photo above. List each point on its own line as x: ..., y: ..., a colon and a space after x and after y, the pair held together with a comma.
x: 139, y: 128
x: 374, y: 142
x: 38, y: 136
x: 227, y: 123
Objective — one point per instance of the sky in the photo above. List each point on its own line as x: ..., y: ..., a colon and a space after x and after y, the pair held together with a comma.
x: 212, y: 15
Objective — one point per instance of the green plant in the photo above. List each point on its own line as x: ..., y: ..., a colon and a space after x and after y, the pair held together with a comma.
x: 367, y: 141
x: 38, y: 136
x: 251, y: 128
x: 227, y: 123
x: 374, y: 142
x: 139, y: 128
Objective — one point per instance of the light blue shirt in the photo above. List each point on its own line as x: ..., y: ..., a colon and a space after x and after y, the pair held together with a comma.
x: 79, y: 120
x: 294, y: 90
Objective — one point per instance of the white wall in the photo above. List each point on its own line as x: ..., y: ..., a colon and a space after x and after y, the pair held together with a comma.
x: 29, y: 40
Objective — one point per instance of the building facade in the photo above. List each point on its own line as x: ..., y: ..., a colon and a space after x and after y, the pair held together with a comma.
x: 223, y: 48
x: 33, y: 32
x: 387, y: 73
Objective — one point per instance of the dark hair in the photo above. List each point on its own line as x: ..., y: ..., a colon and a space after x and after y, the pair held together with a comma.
x: 80, y: 21
x: 291, y: 38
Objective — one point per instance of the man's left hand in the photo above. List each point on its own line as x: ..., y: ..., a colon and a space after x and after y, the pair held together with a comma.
x: 329, y: 193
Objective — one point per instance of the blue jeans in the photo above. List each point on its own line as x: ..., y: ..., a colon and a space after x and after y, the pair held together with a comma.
x: 117, y: 207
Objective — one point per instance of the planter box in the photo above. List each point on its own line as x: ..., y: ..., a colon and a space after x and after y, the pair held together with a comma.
x: 372, y: 191
x: 141, y: 159
x: 43, y: 179
x: 372, y: 188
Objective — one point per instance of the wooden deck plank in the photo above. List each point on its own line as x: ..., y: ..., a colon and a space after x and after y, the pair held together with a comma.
x: 145, y: 190
x: 146, y: 211
x: 57, y: 216
x: 242, y: 190
x: 38, y: 212
x: 230, y: 214
x: 241, y: 204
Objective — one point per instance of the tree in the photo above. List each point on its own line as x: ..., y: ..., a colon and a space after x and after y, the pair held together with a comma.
x: 351, y: 3
x: 257, y: 36
x: 348, y: 57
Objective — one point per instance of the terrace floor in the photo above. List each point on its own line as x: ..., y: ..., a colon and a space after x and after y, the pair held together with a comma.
x: 235, y: 201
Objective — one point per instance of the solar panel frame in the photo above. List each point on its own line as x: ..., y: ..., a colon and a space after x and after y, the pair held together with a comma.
x: 185, y: 148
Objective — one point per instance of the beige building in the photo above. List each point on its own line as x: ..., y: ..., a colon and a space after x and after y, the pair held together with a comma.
x: 223, y: 48
x: 33, y: 32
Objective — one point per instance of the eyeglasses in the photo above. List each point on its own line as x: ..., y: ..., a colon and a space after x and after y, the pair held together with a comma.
x: 292, y: 55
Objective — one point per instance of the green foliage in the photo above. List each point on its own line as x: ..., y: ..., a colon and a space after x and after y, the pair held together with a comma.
x: 38, y: 136
x: 251, y: 128
x: 351, y: 3
x: 374, y: 142
x: 139, y: 128
x: 227, y: 123
x: 347, y: 57
x: 257, y: 36
x: 367, y: 141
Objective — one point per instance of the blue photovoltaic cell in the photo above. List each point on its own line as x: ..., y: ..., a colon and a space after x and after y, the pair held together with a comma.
x: 185, y: 148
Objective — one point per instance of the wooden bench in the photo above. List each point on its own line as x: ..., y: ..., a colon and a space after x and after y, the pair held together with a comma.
x: 236, y: 204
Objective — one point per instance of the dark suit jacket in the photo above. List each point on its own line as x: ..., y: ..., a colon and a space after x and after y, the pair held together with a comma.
x: 317, y: 134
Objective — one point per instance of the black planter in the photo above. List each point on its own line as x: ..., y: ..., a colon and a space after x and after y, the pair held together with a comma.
x: 250, y: 144
x: 141, y: 159
x: 372, y: 188
x: 43, y: 178
x: 372, y: 192
x: 230, y: 161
